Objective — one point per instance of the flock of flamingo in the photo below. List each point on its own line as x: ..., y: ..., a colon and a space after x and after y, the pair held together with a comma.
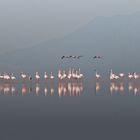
x: 71, y: 88
x: 63, y: 74
x: 114, y: 76
x: 70, y: 82
x: 64, y: 89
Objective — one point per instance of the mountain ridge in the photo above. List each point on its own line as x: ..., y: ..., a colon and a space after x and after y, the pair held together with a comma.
x: 111, y: 37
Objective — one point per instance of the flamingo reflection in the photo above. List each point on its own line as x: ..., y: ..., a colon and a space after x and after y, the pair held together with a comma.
x: 7, y: 89
x: 52, y: 91
x: 116, y: 87
x: 24, y: 89
x: 37, y: 77
x: 70, y: 88
x: 46, y: 91
x: 97, y: 87
x: 37, y: 89
x: 133, y: 88
x: 122, y: 87
x: 130, y: 86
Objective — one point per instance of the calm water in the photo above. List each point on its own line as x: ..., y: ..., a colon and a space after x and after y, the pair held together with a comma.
x: 87, y: 109
x: 96, y: 110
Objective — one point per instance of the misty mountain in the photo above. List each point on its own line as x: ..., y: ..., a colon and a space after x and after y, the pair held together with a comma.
x: 115, y: 38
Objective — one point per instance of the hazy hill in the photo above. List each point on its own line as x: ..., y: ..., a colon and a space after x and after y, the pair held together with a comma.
x: 116, y: 38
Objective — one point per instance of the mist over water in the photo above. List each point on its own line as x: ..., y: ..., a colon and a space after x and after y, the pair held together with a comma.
x: 85, y: 109
x: 80, y: 109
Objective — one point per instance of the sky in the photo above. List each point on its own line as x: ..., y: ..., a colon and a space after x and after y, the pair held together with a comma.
x: 25, y: 23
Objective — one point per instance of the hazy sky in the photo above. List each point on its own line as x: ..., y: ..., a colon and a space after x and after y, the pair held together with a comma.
x: 24, y: 23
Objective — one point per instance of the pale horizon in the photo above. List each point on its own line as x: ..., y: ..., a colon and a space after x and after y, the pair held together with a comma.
x: 26, y: 23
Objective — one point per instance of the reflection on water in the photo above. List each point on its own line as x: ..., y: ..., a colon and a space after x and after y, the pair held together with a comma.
x: 23, y: 89
x: 37, y: 89
x: 45, y: 91
x: 69, y: 88
x: 98, y: 87
x: 133, y: 88
x: 116, y: 87
x: 7, y: 89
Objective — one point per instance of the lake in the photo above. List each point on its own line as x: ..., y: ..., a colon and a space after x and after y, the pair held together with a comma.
x: 85, y: 109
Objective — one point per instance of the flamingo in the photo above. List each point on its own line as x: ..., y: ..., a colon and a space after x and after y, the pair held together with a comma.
x: 37, y: 76
x: 23, y: 76
x: 63, y: 57
x: 130, y: 76
x: 113, y: 76
x: 80, y: 74
x: 1, y: 76
x: 73, y: 74
x: 116, y: 77
x: 59, y: 74
x: 64, y: 75
x: 97, y: 57
x: 30, y: 78
x: 98, y: 76
x: 136, y: 76
x: 121, y: 75
x: 45, y: 75
x: 69, y: 74
x: 76, y: 75
x: 12, y: 76
x: 6, y: 76
x: 51, y: 76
